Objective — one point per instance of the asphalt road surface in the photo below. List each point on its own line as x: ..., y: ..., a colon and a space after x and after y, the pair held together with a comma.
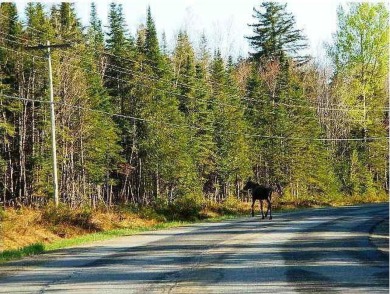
x: 322, y: 250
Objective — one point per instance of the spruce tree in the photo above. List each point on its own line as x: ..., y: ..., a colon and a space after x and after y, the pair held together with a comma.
x: 95, y: 33
x: 167, y: 141
x: 151, y: 46
x: 230, y: 128
x: 274, y: 34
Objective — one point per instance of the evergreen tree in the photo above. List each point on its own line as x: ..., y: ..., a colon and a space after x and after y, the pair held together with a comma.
x: 151, y: 46
x: 65, y: 22
x: 274, y: 34
x: 9, y: 21
x: 120, y: 46
x: 232, y: 147
x: 37, y: 22
x: 196, y: 105
x: 184, y: 68
x: 11, y: 67
x: 95, y: 32
x: 164, y: 136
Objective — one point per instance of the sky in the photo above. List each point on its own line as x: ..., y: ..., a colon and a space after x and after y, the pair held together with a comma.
x: 223, y: 22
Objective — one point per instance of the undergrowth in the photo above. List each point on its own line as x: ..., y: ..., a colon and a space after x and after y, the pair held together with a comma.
x: 29, y: 231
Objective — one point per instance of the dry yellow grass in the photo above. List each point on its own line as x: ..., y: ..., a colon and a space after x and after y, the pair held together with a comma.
x: 27, y: 226
x: 23, y: 227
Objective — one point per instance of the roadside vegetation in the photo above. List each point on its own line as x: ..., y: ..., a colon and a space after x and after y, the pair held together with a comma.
x: 30, y: 231
x: 153, y: 134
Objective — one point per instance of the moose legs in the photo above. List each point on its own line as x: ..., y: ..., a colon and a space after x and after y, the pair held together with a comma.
x: 261, y: 209
x: 269, y: 208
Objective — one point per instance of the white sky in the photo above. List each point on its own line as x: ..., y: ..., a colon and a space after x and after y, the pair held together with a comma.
x: 224, y: 22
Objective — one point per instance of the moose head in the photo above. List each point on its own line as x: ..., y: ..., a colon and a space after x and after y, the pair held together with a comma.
x: 278, y: 188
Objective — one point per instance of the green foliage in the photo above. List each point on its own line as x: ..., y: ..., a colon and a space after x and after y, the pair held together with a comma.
x: 360, y: 56
x: 187, y: 207
x: 233, y: 206
x: 275, y: 36
x: 65, y: 215
x: 117, y: 41
x: 138, y: 124
x: 230, y: 127
x: 95, y: 31
x: 151, y: 46
x: 2, y: 214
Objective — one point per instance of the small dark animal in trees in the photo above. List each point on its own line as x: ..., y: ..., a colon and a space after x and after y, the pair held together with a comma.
x: 261, y: 193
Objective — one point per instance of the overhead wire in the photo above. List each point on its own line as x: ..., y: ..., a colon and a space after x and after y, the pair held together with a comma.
x: 126, y: 70
x: 150, y: 78
x: 247, y: 98
x: 213, y: 82
x: 155, y: 88
x: 191, y: 127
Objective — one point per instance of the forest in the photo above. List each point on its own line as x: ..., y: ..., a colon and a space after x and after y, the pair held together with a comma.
x: 140, y: 121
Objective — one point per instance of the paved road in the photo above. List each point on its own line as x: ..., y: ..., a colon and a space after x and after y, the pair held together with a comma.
x: 322, y: 250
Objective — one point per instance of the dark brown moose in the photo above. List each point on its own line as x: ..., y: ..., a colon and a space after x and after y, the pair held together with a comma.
x: 261, y: 193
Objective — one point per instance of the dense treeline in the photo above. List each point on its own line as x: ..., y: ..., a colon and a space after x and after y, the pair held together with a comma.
x: 139, y: 123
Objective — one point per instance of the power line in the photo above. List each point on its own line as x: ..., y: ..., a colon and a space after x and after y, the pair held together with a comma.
x: 219, y: 103
x: 45, y: 34
x: 126, y: 81
x: 247, y: 98
x: 192, y: 127
x: 151, y: 78
x: 22, y: 52
x: 226, y: 104
x: 212, y: 82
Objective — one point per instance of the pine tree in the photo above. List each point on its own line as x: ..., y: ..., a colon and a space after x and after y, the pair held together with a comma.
x: 232, y: 148
x: 164, y: 137
x: 274, y: 34
x: 184, y: 68
x: 151, y: 46
x: 65, y: 22
x: 37, y: 21
x: 95, y: 32
x: 11, y: 150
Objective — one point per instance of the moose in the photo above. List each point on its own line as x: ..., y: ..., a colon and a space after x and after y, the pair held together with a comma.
x: 261, y: 193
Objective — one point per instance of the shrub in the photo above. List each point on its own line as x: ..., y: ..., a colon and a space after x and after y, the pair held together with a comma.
x: 233, y: 205
x: 64, y: 215
x: 187, y: 207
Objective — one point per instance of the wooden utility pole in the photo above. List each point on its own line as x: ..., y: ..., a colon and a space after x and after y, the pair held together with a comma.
x: 52, y: 113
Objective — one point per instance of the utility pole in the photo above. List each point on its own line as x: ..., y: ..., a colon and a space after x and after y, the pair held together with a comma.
x: 52, y: 113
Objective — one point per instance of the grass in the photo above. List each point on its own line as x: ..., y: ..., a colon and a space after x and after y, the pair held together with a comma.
x: 22, y: 252
x: 39, y: 248
x: 105, y: 235
x: 31, y: 231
